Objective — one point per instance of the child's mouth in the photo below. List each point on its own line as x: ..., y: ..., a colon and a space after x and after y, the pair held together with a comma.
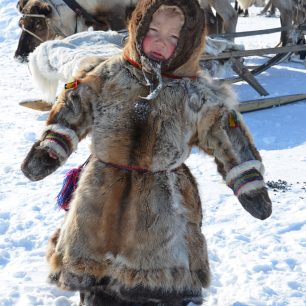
x: 157, y: 56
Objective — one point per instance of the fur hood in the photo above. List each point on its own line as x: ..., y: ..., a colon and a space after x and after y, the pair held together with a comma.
x: 185, y: 59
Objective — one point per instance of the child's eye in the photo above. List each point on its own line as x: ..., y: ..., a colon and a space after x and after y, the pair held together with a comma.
x: 174, y: 39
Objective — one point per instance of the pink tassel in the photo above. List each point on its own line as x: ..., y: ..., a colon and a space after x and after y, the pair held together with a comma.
x: 69, y: 186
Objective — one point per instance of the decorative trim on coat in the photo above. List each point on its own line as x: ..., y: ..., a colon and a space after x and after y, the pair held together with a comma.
x: 246, y: 177
x: 60, y: 140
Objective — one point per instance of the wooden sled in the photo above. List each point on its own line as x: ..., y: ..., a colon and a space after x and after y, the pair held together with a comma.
x: 243, y: 72
x: 246, y: 74
x: 39, y: 105
x: 301, y: 27
x: 253, y: 105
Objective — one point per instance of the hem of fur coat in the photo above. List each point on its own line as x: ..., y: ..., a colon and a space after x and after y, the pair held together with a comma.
x: 82, y: 276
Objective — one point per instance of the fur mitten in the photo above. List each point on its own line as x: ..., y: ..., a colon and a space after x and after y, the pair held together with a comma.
x: 257, y: 203
x: 246, y: 180
x: 47, y: 154
x: 38, y: 163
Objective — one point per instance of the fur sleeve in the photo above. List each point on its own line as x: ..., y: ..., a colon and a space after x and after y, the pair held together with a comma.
x: 73, y: 109
x: 69, y: 121
x: 223, y: 134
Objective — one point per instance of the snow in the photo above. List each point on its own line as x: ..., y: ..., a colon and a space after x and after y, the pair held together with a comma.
x: 253, y: 262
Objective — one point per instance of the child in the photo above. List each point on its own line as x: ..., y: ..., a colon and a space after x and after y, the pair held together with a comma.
x: 133, y: 234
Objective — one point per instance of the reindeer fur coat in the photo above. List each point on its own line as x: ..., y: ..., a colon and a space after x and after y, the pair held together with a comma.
x: 134, y: 226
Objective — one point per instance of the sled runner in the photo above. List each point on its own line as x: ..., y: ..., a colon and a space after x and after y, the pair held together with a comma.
x: 39, y: 105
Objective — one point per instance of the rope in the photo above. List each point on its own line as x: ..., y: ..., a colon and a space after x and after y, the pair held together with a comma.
x: 34, y: 15
x: 49, y: 24
x: 31, y: 33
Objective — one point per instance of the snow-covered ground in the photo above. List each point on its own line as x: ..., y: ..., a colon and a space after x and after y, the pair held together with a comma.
x: 253, y: 262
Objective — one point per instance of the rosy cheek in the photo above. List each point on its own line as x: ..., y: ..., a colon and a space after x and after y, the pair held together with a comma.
x: 171, y: 49
x: 146, y: 43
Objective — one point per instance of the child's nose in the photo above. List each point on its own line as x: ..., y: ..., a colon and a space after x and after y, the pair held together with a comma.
x: 161, y: 41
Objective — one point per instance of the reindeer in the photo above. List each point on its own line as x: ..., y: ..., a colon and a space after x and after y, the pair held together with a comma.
x: 226, y: 17
x: 44, y: 20
x: 291, y: 12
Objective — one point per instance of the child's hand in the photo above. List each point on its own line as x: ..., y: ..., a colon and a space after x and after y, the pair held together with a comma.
x: 39, y: 163
x: 257, y: 203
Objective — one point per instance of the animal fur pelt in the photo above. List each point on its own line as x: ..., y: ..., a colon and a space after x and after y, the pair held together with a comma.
x: 62, y: 60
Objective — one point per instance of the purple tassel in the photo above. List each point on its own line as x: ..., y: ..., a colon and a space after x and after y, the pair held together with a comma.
x: 69, y: 186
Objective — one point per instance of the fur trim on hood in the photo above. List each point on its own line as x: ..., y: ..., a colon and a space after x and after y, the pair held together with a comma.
x: 185, y: 59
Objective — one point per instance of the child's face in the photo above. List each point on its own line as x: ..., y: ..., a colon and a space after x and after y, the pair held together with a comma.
x: 162, y: 36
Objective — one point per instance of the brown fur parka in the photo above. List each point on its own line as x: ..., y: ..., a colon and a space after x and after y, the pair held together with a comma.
x: 134, y: 227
